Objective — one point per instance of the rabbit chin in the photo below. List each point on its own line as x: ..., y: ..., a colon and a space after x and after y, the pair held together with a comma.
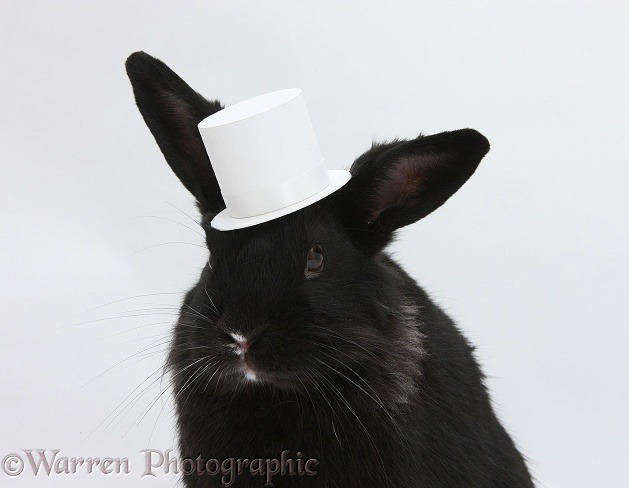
x: 251, y: 377
x: 250, y: 374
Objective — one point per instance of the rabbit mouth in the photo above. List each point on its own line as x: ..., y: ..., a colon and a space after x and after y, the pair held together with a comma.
x: 245, y: 373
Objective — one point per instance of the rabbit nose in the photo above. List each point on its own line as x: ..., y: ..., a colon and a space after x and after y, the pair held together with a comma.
x: 242, y: 343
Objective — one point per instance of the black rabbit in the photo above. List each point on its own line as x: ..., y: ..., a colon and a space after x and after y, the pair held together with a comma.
x: 305, y: 356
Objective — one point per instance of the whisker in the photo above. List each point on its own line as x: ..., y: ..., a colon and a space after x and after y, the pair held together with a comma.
x: 166, y: 244
x: 211, y: 301
x: 169, y: 220
x: 121, y: 404
x: 124, y: 299
x: 122, y: 361
x: 136, y: 328
x: 143, y: 314
x: 177, y: 208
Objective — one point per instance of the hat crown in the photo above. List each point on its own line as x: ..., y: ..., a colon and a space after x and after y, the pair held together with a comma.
x: 260, y: 142
x: 265, y: 156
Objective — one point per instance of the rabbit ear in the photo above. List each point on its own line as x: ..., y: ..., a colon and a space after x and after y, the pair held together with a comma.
x: 396, y: 184
x: 172, y: 110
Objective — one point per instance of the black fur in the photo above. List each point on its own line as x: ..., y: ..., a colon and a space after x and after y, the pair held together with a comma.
x: 355, y: 365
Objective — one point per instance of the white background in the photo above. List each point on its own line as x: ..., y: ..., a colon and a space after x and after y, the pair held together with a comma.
x: 530, y: 257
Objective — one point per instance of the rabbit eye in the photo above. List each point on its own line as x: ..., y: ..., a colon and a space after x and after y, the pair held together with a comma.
x: 315, y: 260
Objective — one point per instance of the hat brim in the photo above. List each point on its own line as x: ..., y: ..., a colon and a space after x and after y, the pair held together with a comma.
x: 224, y: 221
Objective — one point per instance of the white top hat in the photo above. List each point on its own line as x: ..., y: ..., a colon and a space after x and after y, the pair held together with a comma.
x: 266, y: 159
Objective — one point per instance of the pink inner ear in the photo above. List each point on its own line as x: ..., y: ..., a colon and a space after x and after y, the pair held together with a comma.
x: 403, y: 182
